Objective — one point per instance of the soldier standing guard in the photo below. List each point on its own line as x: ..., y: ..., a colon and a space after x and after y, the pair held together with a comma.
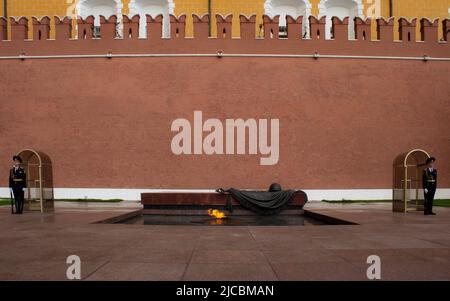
x: 18, y: 183
x: 429, y: 185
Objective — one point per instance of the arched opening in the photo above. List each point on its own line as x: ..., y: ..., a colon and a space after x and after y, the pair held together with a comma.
x: 294, y: 8
x: 39, y: 191
x: 340, y: 9
x: 407, y: 193
x: 97, y: 8
x: 152, y: 8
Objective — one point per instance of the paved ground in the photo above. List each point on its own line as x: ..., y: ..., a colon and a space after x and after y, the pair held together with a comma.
x: 35, y: 246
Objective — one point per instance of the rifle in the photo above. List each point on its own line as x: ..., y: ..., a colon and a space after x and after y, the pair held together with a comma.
x: 12, y: 200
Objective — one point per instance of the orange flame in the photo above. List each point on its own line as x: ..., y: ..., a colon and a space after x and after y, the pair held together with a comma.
x: 216, y: 214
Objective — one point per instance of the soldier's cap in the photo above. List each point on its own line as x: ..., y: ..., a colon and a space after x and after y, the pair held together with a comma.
x: 18, y: 158
x: 431, y: 159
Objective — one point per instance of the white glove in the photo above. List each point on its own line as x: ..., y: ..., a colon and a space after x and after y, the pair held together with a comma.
x: 24, y: 189
x: 426, y: 190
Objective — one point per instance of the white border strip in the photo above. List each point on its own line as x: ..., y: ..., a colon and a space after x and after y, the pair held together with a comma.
x: 135, y: 194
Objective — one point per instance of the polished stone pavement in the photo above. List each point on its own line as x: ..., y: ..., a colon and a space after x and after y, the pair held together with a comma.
x: 411, y: 246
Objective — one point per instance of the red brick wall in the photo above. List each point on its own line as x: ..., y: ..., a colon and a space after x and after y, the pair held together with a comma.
x: 106, y: 122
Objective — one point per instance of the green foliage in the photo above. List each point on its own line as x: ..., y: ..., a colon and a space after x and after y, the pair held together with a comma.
x: 5, y: 202
x: 439, y: 203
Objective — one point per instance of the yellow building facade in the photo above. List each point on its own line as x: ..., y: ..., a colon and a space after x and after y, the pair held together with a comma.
x: 366, y: 8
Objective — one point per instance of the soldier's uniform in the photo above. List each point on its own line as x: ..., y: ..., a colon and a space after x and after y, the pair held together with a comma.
x: 429, y: 179
x: 18, y: 181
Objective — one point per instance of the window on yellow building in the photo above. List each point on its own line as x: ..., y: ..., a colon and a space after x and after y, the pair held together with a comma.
x: 152, y: 8
x: 99, y: 8
x: 294, y: 8
x: 340, y: 9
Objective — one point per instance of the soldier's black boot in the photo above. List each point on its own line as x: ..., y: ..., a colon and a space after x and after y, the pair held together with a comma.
x: 431, y: 208
x: 425, y: 207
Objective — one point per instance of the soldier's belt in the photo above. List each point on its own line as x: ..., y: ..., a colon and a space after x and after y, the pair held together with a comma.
x: 431, y: 180
x: 17, y: 180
